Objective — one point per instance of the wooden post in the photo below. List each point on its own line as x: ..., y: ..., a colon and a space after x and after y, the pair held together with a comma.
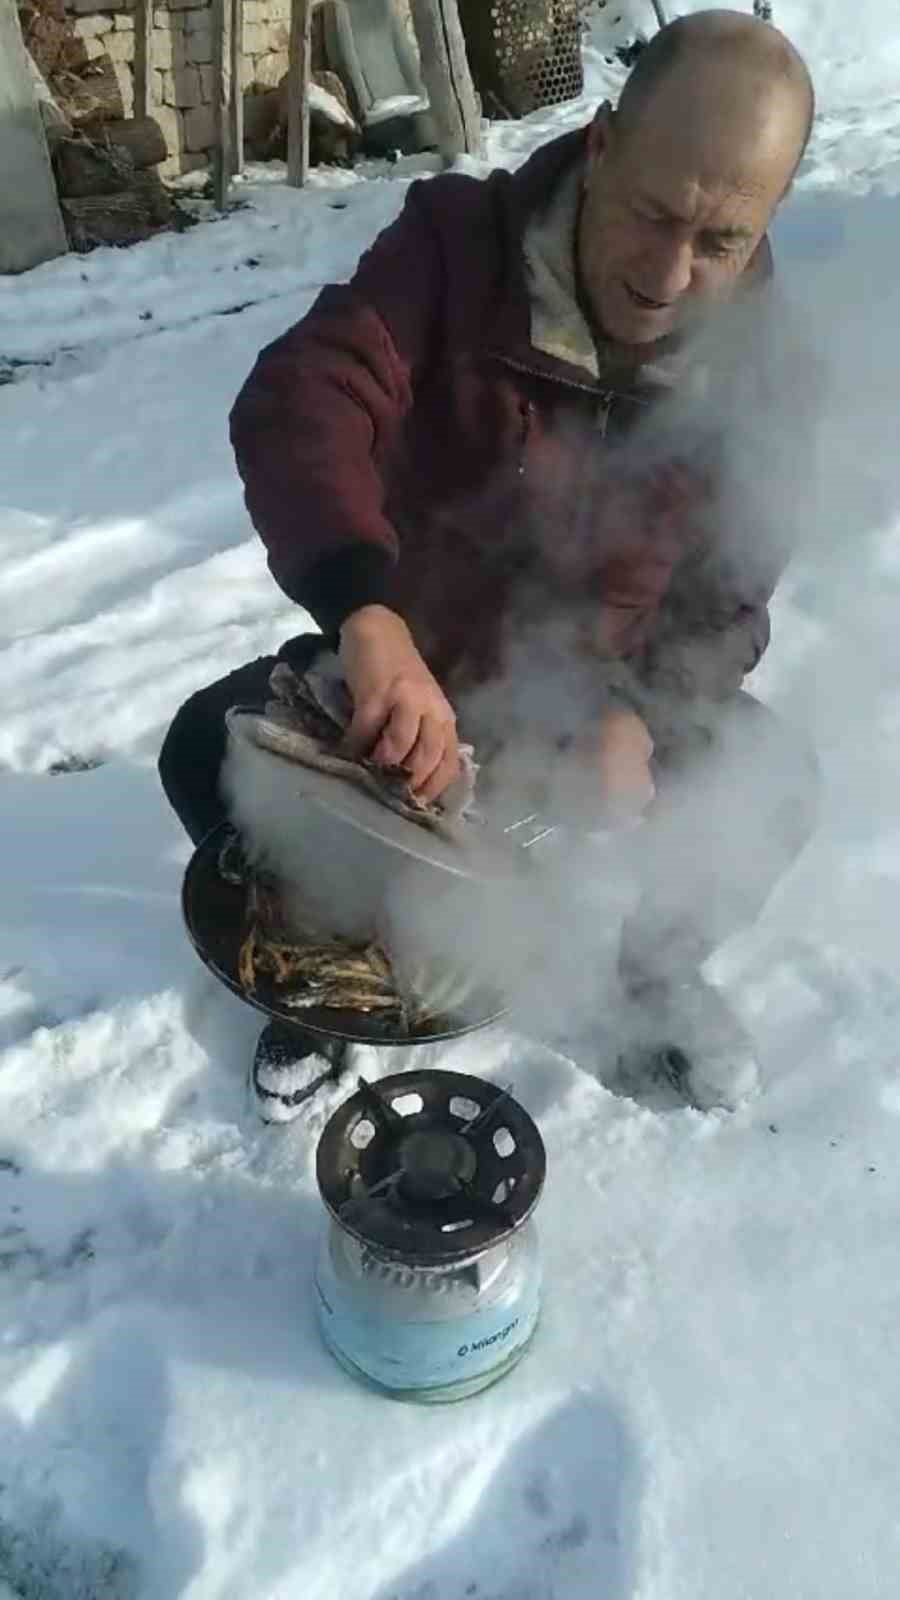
x: 445, y: 71
x: 299, y: 63
x: 143, y: 57
x: 236, y: 108
x: 221, y: 84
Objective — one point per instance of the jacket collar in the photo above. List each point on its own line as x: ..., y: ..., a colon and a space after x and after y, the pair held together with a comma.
x: 558, y: 326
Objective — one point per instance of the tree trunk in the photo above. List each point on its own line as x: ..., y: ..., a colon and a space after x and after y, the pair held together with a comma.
x: 445, y: 71
x: 83, y: 169
x: 142, y: 137
x: 119, y: 219
x: 92, y: 97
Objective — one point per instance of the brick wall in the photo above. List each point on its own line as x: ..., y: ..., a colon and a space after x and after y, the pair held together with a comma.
x: 182, y: 63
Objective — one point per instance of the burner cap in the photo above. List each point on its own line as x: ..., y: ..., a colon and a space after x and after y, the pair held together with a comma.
x: 430, y: 1167
x: 435, y: 1164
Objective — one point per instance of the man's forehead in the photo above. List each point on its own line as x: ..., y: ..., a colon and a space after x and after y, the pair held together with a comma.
x: 724, y: 205
x: 703, y: 152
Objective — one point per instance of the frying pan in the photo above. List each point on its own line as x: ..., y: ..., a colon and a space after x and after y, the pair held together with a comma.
x: 214, y: 914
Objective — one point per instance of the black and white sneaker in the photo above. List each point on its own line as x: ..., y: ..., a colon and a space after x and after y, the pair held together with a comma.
x: 684, y: 1034
x: 286, y: 1073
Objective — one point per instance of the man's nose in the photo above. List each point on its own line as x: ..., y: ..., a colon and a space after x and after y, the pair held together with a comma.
x: 671, y: 268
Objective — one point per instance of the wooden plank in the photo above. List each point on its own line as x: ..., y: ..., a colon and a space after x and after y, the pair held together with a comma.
x: 143, y: 57
x: 445, y: 71
x: 299, y: 66
x: 221, y: 86
x: 236, y: 105
x: 31, y: 224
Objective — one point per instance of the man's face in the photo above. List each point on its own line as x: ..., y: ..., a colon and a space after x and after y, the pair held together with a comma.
x: 673, y: 211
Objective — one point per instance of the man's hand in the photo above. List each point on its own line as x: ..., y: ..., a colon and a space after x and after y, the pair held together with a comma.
x: 401, y: 718
x: 625, y: 749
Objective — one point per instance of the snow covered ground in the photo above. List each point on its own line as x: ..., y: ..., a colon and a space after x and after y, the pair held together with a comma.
x: 709, y: 1410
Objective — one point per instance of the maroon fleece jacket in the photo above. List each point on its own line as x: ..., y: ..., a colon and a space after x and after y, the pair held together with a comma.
x: 405, y: 443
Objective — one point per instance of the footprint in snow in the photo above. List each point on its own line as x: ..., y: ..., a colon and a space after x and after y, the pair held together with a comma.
x: 558, y: 1522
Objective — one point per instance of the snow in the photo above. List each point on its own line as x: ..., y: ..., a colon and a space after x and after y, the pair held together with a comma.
x: 709, y: 1407
x: 330, y: 106
x: 395, y: 105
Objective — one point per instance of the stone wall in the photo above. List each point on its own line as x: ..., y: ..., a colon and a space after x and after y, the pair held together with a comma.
x: 182, y: 55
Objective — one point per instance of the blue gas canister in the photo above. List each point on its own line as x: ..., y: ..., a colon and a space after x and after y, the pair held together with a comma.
x: 428, y: 1277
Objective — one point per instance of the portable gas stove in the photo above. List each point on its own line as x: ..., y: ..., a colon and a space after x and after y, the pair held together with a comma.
x: 428, y: 1278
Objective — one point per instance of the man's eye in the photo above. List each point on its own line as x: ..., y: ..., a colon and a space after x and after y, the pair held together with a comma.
x: 731, y: 245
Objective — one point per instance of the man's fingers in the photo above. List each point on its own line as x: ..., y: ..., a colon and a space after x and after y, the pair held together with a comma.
x: 367, y: 723
x: 398, y: 737
x: 625, y: 735
x: 428, y: 751
x: 624, y: 805
x: 435, y: 745
x: 443, y: 775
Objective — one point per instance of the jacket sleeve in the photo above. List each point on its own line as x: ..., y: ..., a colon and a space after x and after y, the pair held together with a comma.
x: 708, y: 633
x: 693, y: 646
x: 712, y: 632
x: 714, y: 628
x: 321, y: 413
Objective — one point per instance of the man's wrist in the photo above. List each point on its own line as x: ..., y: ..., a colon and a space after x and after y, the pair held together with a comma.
x: 372, y: 621
x: 348, y: 580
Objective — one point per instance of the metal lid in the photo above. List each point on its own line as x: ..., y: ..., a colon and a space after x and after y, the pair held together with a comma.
x: 470, y: 850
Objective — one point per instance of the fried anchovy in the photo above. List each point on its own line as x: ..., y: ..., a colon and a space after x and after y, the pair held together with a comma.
x: 335, y: 974
x: 339, y: 999
x: 247, y: 962
x: 326, y: 972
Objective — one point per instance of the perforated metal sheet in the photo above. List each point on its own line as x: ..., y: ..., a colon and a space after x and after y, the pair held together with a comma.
x: 523, y: 53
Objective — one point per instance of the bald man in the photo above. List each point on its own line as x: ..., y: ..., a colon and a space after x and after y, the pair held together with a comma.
x: 508, y: 469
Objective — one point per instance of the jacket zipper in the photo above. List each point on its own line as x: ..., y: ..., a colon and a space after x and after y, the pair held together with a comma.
x: 601, y: 422
x: 605, y: 396
x: 527, y: 410
x: 548, y: 377
x: 605, y: 399
x: 527, y: 414
x: 604, y: 407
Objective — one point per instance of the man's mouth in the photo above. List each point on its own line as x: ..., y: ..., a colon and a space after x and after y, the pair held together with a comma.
x: 644, y: 301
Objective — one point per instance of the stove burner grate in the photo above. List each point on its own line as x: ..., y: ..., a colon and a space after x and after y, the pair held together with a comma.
x: 430, y: 1167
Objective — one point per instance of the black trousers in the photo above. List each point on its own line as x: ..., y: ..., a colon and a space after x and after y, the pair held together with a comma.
x: 193, y: 750
x: 733, y: 810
